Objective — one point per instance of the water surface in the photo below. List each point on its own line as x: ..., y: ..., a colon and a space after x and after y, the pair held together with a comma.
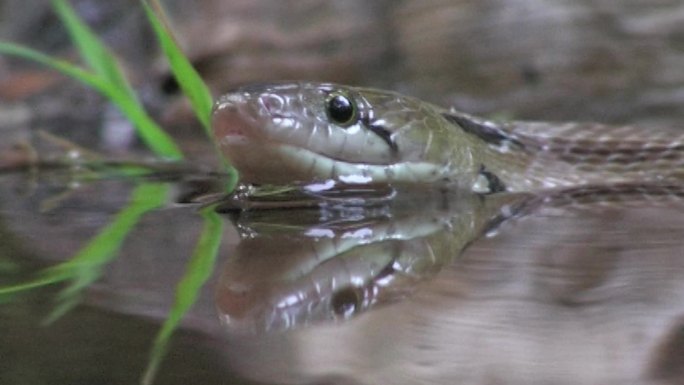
x: 436, y: 288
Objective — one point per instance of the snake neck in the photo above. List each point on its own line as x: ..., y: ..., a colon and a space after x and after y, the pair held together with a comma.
x: 529, y: 156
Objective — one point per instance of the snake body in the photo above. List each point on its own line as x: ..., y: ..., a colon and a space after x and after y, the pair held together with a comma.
x: 322, y: 134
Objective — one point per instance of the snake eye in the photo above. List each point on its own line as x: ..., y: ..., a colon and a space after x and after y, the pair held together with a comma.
x: 347, y: 301
x: 341, y: 109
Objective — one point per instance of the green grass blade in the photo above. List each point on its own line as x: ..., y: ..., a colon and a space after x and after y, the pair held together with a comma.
x: 106, y: 67
x: 94, y: 53
x: 189, y: 80
x: 62, y: 308
x: 62, y: 66
x: 150, y: 132
x: 194, y: 88
x: 199, y: 269
x: 85, y: 267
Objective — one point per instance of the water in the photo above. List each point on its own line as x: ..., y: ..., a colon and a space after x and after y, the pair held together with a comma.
x: 571, y: 289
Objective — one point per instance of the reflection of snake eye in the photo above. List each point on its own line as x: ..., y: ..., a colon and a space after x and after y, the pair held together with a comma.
x: 347, y: 301
x: 341, y: 109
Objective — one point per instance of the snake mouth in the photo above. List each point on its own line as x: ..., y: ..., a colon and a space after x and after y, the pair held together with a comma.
x: 259, y: 158
x: 232, y: 120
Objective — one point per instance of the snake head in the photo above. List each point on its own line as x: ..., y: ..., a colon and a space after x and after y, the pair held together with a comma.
x: 316, y: 133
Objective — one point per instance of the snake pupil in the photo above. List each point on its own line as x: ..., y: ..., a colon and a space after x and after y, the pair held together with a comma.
x: 347, y: 301
x: 341, y: 109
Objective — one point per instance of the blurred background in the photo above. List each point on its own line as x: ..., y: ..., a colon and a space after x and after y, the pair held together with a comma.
x: 612, y: 61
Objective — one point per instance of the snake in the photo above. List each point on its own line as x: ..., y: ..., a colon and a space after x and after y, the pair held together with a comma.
x: 325, y: 134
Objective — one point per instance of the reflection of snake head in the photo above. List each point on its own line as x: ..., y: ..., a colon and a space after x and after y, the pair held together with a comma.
x: 307, y: 132
x: 286, y: 276
x: 334, y: 289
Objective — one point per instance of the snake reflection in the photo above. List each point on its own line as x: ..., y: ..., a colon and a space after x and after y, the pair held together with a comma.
x: 295, y: 268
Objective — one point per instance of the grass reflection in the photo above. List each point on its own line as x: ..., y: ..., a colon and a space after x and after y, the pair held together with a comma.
x: 200, y: 268
x: 86, y: 266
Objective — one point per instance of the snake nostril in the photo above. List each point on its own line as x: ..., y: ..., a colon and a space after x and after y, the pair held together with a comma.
x: 273, y: 104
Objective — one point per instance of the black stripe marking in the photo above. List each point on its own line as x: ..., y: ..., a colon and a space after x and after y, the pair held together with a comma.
x: 494, y: 184
x: 489, y: 134
x: 382, y: 132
